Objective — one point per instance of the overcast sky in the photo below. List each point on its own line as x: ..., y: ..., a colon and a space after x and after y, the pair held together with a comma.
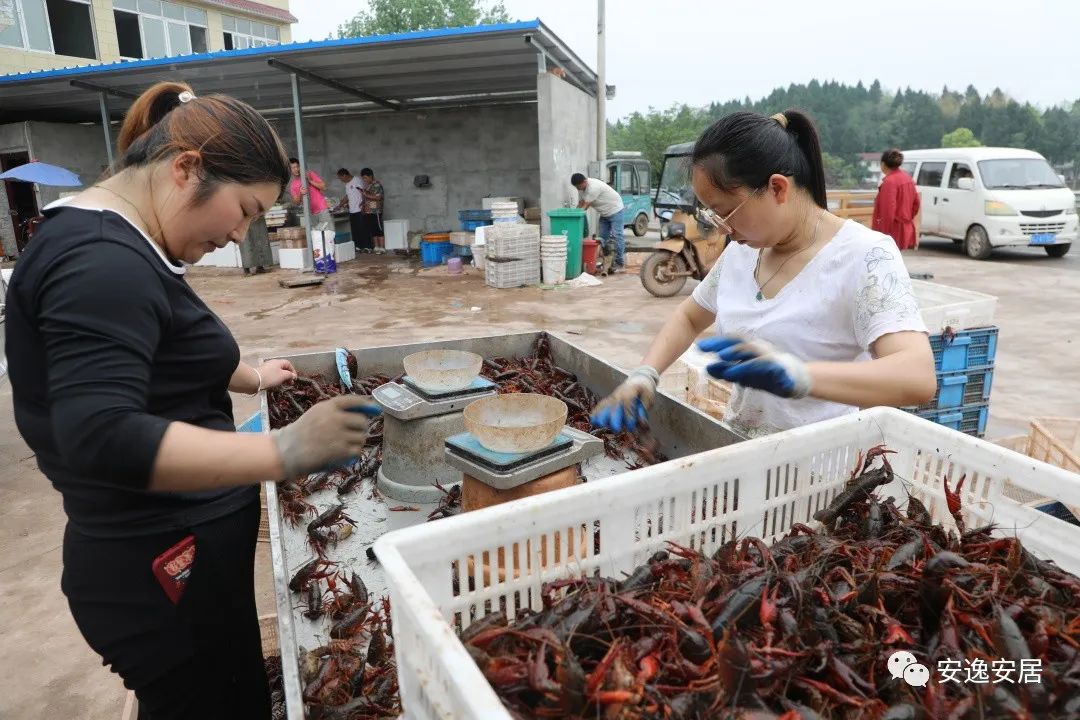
x: 663, y: 52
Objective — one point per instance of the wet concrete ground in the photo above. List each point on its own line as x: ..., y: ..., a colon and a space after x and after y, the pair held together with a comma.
x: 46, y: 670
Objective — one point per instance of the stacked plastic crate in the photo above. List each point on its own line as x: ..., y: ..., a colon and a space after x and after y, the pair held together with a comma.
x: 512, y: 255
x: 964, y: 341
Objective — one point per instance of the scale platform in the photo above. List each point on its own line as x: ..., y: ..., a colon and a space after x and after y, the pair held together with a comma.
x: 504, y: 471
x: 407, y: 401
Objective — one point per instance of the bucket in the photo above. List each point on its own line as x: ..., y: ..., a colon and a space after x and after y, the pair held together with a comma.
x: 453, y: 266
x: 553, y: 269
x: 588, y: 254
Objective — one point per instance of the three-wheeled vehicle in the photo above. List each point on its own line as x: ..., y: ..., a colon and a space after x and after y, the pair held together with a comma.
x: 688, y: 246
x: 628, y: 173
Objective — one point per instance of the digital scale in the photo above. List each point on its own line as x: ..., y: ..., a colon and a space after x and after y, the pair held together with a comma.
x: 416, y: 424
x: 503, y: 471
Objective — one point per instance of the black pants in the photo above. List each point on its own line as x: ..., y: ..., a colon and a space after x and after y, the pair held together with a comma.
x: 365, y: 227
x: 200, y: 658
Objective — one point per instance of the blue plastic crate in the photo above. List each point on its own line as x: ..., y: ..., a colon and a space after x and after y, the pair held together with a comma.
x: 966, y: 349
x: 969, y: 419
x: 471, y: 225
x: 472, y: 219
x: 435, y: 253
x: 956, y: 389
x: 252, y: 425
x: 463, y: 251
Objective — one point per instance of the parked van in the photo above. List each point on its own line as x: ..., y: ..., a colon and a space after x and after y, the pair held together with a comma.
x: 988, y: 197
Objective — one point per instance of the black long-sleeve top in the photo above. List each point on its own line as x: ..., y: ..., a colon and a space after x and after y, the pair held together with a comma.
x: 107, y: 344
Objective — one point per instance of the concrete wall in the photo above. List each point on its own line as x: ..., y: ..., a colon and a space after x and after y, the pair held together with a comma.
x: 467, y: 153
x: 567, y: 129
x: 79, y: 148
x: 12, y: 139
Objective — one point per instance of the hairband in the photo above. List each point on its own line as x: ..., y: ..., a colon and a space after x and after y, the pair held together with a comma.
x: 186, y: 96
x: 781, y: 118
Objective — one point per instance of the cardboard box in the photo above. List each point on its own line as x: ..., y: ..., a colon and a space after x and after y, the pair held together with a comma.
x: 463, y: 239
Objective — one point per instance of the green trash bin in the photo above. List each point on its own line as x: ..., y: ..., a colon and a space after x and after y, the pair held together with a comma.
x: 570, y: 222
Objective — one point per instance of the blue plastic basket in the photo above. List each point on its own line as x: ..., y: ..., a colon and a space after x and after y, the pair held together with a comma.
x: 969, y: 419
x: 967, y: 349
x: 435, y: 253
x: 956, y: 389
x: 472, y: 219
x: 463, y: 251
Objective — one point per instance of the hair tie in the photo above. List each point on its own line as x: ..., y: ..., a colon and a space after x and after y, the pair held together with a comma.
x: 186, y: 96
x: 781, y: 118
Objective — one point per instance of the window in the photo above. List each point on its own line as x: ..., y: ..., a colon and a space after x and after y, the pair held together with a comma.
x: 1018, y: 174
x: 930, y: 174
x: 152, y: 28
x: 959, y: 170
x: 627, y: 179
x: 644, y: 188
x: 909, y: 167
x: 241, y: 33
x: 63, y: 27
x: 612, y: 175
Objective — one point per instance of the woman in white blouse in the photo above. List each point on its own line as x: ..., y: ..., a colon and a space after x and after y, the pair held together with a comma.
x: 814, y: 314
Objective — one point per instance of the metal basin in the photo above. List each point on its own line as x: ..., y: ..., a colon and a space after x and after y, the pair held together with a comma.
x: 515, y: 423
x: 443, y: 370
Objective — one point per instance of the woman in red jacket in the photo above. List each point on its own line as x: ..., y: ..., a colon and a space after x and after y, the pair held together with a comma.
x: 897, y: 202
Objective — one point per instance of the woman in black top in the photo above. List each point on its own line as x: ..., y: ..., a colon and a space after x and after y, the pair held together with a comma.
x: 121, y: 377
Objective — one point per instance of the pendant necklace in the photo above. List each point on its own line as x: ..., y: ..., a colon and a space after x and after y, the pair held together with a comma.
x: 757, y: 267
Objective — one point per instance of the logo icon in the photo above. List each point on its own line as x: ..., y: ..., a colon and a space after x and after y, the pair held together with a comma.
x: 916, y: 675
x: 904, y: 666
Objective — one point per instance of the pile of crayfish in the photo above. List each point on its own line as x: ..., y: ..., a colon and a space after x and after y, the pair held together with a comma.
x: 538, y: 373
x: 353, y: 676
x: 802, y: 629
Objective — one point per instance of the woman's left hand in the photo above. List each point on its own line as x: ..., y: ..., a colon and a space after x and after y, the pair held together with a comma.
x: 276, y: 372
x: 758, y: 364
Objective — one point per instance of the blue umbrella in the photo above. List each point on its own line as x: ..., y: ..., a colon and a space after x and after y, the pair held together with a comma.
x: 42, y: 174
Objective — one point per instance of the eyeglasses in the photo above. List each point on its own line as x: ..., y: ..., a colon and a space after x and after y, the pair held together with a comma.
x: 723, y: 224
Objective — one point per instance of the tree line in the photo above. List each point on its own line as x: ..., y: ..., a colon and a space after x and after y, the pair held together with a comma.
x: 859, y: 119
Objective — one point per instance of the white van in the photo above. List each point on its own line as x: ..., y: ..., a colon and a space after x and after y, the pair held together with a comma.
x: 993, y: 197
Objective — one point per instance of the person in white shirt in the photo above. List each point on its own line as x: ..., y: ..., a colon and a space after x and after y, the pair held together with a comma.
x: 814, y: 314
x: 600, y: 196
x: 354, y: 196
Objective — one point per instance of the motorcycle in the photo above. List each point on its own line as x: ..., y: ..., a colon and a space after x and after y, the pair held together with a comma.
x: 685, y: 251
x: 688, y: 246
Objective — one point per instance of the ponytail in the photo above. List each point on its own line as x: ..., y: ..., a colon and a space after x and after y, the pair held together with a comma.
x: 148, y: 110
x: 805, y: 133
x: 745, y: 149
x: 234, y: 143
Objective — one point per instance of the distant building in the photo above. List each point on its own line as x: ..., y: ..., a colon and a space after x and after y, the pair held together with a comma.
x: 871, y: 163
x: 49, y: 34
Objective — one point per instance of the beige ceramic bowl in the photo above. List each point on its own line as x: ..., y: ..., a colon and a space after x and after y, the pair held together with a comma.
x: 515, y: 423
x: 443, y: 370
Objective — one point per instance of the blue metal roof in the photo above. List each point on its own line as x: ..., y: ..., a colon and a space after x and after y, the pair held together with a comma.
x: 403, y: 67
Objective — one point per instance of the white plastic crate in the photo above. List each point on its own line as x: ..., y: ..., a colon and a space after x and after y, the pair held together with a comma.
x: 513, y: 241
x: 758, y: 487
x: 946, y: 306
x: 502, y: 274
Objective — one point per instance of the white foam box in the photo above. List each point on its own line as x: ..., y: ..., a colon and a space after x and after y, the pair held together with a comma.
x: 294, y: 258
x: 344, y: 251
x: 945, y: 306
x: 462, y: 239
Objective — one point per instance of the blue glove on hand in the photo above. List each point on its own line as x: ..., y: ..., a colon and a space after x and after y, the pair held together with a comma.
x: 757, y: 364
x: 628, y: 406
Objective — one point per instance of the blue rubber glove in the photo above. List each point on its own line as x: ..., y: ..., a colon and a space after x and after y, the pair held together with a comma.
x: 628, y: 406
x: 757, y: 364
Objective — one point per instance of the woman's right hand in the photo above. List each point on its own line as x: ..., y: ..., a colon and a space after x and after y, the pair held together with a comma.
x: 629, y: 404
x: 330, y: 431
